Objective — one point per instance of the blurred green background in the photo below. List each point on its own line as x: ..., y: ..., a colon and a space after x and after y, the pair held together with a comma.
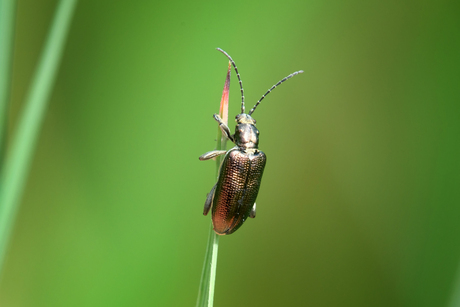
x: 360, y: 202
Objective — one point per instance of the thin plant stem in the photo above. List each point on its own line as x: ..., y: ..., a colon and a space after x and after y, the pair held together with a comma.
x: 18, y: 160
x: 208, y: 274
x: 213, y: 271
x: 7, y: 17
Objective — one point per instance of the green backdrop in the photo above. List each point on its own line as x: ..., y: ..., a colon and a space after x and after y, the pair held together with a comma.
x: 360, y: 201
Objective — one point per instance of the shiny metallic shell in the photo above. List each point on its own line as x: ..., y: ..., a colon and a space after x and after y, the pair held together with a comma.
x: 237, y: 188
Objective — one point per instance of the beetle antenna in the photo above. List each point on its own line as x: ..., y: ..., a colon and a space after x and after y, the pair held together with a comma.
x: 238, y: 75
x: 279, y: 82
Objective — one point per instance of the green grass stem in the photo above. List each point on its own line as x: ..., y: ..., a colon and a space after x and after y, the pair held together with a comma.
x: 17, y: 162
x: 208, y: 274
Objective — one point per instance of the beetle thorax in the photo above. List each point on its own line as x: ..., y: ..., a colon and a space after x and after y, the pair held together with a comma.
x: 246, y: 133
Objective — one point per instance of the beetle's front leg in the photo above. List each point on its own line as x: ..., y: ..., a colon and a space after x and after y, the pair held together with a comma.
x: 211, y: 154
x: 224, y: 127
x: 252, y: 214
x: 208, y: 202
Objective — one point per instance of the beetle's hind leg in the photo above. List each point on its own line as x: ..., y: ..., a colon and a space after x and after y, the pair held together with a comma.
x: 224, y: 128
x: 209, y: 199
x: 252, y: 214
x: 211, y: 154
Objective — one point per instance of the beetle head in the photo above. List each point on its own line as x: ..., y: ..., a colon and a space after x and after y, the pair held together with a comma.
x: 244, y: 118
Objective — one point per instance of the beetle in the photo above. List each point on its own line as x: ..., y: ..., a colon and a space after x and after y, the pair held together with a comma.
x: 233, y: 197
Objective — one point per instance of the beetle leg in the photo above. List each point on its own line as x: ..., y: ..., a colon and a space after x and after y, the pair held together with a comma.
x: 253, y: 212
x: 224, y: 128
x: 208, y: 202
x: 211, y: 154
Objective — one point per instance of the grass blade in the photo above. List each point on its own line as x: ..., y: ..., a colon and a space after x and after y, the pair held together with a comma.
x: 15, y: 170
x: 208, y: 274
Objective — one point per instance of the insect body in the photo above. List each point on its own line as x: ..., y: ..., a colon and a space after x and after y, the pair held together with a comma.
x: 233, y: 197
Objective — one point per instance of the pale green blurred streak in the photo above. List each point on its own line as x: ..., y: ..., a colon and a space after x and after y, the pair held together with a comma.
x: 14, y: 174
